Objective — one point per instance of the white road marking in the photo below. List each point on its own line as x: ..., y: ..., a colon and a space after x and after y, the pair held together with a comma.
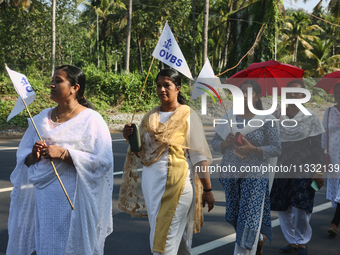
x: 6, y: 189
x: 213, y: 244
x: 220, y: 158
x: 15, y: 148
x: 118, y: 140
x: 113, y: 140
x: 8, y: 148
x: 121, y: 172
x: 140, y: 169
x: 115, y: 173
x: 232, y: 238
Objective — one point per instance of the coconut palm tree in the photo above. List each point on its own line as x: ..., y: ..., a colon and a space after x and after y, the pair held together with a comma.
x: 297, y: 31
x: 322, y: 61
x: 334, y: 9
x: 105, y: 13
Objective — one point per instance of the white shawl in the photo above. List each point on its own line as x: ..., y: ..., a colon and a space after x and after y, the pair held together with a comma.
x: 88, y: 141
x: 304, y: 126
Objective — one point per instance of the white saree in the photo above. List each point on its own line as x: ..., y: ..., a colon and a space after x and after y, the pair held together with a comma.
x: 154, y: 181
x: 40, y: 217
x: 171, y: 144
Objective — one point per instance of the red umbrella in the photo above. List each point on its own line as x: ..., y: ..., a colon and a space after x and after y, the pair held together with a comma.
x: 327, y: 83
x: 268, y: 74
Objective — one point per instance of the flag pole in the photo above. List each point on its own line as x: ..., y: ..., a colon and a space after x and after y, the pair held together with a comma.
x: 225, y: 110
x: 153, y: 58
x: 55, y: 170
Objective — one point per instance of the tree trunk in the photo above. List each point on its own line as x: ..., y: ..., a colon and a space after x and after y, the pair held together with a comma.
x: 275, y: 45
x: 117, y: 52
x: 193, y: 39
x: 227, y: 35
x: 205, y: 31
x: 296, y: 49
x: 128, y: 38
x: 53, y: 38
x: 104, y: 41
x: 115, y: 47
x: 97, y: 39
x: 140, y: 55
x: 219, y: 59
x: 116, y: 68
x: 105, y: 56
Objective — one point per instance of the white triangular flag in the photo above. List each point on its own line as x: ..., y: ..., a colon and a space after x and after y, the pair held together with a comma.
x: 168, y: 51
x: 205, y: 79
x: 23, y: 88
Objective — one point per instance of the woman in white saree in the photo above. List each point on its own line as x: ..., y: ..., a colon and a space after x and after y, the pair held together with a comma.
x: 173, y: 141
x: 78, y: 141
x: 331, y: 142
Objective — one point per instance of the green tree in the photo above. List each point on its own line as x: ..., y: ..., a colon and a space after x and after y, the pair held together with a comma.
x: 334, y: 9
x: 26, y: 36
x: 322, y: 62
x: 105, y: 14
x: 297, y: 31
x: 28, y: 5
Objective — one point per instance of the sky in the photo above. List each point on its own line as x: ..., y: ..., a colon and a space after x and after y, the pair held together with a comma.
x: 309, y: 6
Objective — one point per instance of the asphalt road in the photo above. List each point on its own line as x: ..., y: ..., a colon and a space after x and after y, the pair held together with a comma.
x: 131, y: 235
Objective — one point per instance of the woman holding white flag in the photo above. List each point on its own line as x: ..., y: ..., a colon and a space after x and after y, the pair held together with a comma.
x: 173, y: 141
x: 78, y: 141
x: 331, y: 142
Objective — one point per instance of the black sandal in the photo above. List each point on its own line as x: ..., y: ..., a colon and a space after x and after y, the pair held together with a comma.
x: 288, y: 249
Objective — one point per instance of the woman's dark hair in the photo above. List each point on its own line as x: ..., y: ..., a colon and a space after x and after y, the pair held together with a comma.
x: 298, y: 82
x: 175, y: 77
x: 257, y: 89
x: 76, y: 76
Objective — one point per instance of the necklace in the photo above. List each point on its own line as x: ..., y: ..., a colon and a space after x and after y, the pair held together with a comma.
x: 66, y: 115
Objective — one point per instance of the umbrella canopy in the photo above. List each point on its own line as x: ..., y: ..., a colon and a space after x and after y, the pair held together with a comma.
x: 327, y: 83
x: 268, y: 74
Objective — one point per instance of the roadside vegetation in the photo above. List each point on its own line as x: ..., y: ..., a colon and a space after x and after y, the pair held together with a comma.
x: 93, y: 36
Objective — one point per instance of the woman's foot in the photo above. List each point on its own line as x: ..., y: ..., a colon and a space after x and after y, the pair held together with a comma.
x: 260, y: 245
x: 290, y: 248
x: 302, y: 249
x: 333, y: 231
